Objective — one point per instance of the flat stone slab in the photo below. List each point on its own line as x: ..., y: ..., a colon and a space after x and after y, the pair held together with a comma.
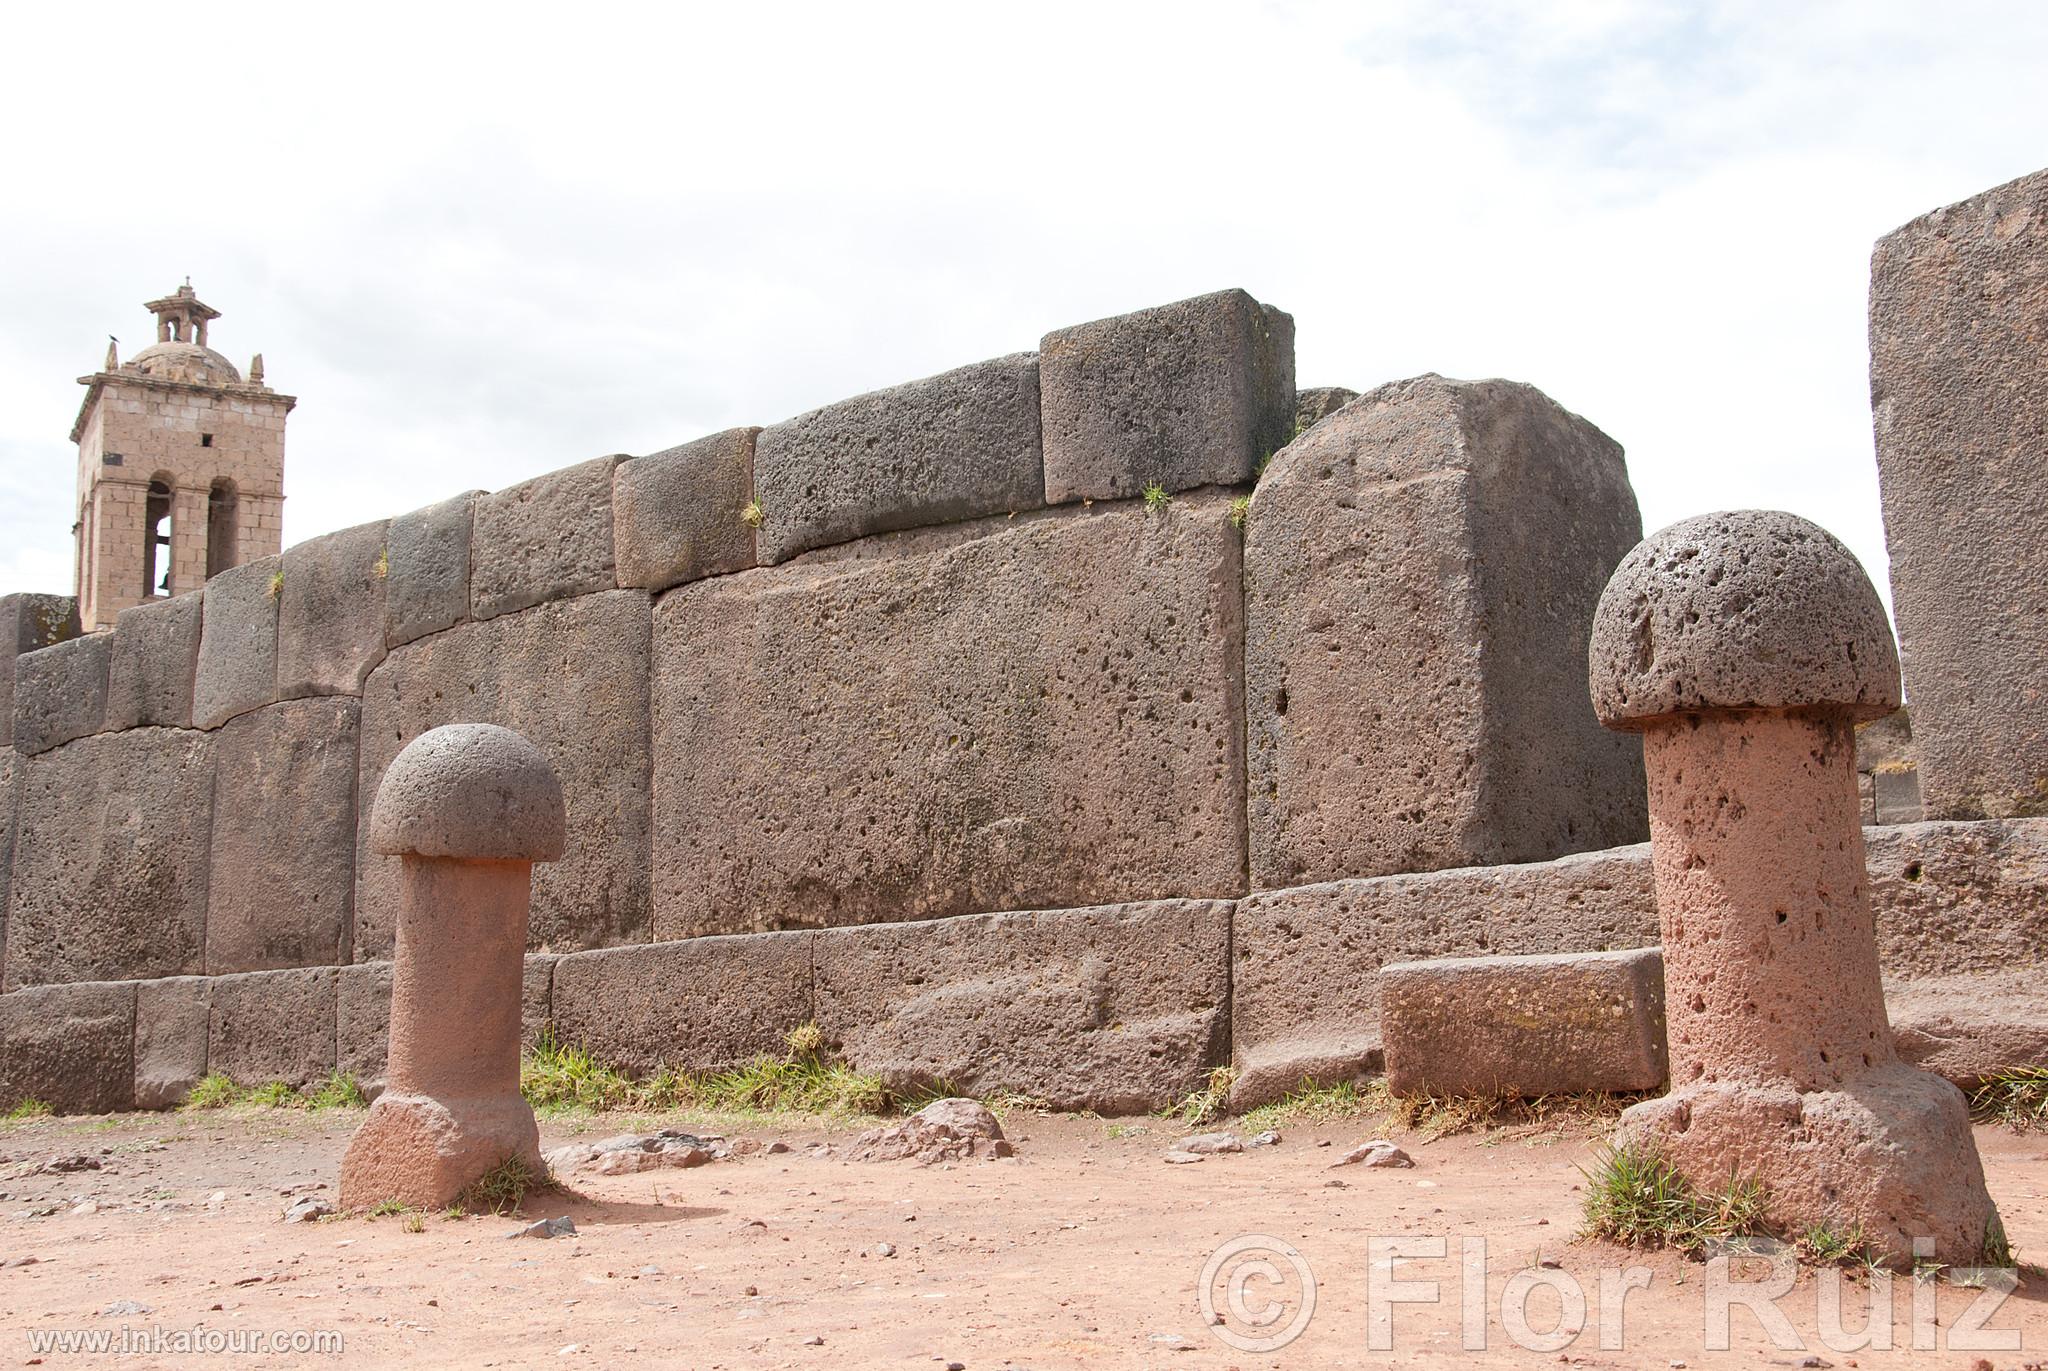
x: 1198, y: 392
x: 545, y: 539
x: 154, y: 660
x: 1006, y: 715
x: 72, y: 1047
x: 1959, y: 402
x: 1958, y: 898
x: 1421, y: 571
x: 426, y: 577
x: 1521, y: 1027
x: 1122, y: 1008
x: 682, y: 514
x: 1966, y: 1027
x: 273, y: 1026
x: 706, y: 1004
x: 111, y: 859
x: 237, y: 669
x: 28, y: 622
x: 571, y: 676
x: 949, y: 447
x: 171, y: 1022
x: 282, y: 887
x: 60, y: 692
x: 330, y: 612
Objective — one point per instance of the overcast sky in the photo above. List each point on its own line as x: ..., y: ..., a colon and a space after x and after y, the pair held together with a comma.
x: 483, y: 243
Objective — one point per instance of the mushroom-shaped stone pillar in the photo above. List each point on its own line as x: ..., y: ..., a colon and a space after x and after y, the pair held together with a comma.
x: 470, y: 807
x: 1745, y: 647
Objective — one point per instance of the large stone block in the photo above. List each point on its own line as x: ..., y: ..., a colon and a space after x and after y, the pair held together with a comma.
x: 155, y: 658
x: 947, y: 448
x: 1195, y: 393
x: 60, y: 692
x: 237, y: 669
x: 1305, y: 996
x: 1011, y: 715
x: 572, y: 677
x: 28, y: 622
x: 682, y: 514
x: 545, y: 539
x: 172, y: 1019
x: 70, y: 1046
x: 1520, y: 1027
x: 1421, y: 570
x: 1122, y: 1008
x: 1958, y: 898
x: 701, y: 1005
x: 330, y: 613
x: 426, y: 579
x: 1965, y: 1028
x: 273, y: 1026
x: 110, y: 859
x: 1318, y: 403
x: 12, y: 766
x: 537, y: 996
x: 1959, y: 396
x: 362, y: 1024
x: 284, y: 837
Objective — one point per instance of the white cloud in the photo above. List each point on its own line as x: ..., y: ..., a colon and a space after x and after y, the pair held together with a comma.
x: 480, y: 243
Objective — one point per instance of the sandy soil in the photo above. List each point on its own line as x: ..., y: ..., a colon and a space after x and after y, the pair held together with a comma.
x: 1084, y: 1250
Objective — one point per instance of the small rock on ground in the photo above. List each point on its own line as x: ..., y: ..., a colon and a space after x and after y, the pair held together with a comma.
x: 1378, y: 1152
x: 560, y: 1226
x: 1210, y: 1144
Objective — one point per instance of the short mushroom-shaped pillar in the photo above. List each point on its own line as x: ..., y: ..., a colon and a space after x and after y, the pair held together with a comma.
x: 470, y: 808
x: 1745, y: 647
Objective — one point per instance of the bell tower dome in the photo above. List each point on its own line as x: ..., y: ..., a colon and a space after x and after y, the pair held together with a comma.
x: 180, y: 466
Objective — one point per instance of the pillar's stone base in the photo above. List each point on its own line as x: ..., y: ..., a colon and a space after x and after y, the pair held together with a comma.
x: 426, y: 1152
x: 1888, y: 1150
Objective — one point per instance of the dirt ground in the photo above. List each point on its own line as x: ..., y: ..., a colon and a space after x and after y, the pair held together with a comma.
x: 1086, y: 1249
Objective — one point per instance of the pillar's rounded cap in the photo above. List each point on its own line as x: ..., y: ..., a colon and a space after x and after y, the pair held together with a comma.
x: 469, y: 790
x: 1746, y: 609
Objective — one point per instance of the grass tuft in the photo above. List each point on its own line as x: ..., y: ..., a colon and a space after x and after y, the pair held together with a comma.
x: 2016, y: 1096
x: 1156, y: 497
x: 214, y: 1091
x: 752, y: 516
x: 501, y: 1189
x: 1205, y: 1104
x: 29, y: 1109
x: 1240, y: 510
x: 339, y: 1091
x: 1636, y: 1197
x: 555, y: 1076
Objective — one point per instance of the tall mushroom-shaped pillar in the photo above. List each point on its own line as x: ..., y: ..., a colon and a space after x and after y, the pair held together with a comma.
x: 1745, y: 647
x: 470, y: 808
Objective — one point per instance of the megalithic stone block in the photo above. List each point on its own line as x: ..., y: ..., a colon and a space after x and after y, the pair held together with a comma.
x: 426, y: 576
x: 330, y: 613
x: 28, y: 622
x: 545, y: 539
x: 468, y: 808
x: 1959, y: 396
x: 154, y: 662
x: 1194, y: 393
x: 71, y: 1047
x: 237, y: 669
x: 947, y: 448
x: 686, y: 513
x: 60, y: 692
x: 172, y: 1018
x: 1420, y: 574
x: 1744, y: 647
x: 266, y: 1026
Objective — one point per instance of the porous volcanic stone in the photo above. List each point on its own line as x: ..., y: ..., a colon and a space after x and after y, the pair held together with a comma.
x: 273, y: 1026
x: 1746, y: 609
x: 571, y: 676
x: 1193, y: 393
x: 479, y: 792
x: 1556, y: 1024
x: 705, y: 1004
x: 1956, y: 898
x: 545, y: 539
x: 1965, y: 1028
x: 28, y: 622
x: 426, y: 580
x: 237, y: 669
x: 155, y: 658
x: 362, y: 1023
x: 330, y: 613
x: 12, y: 767
x: 537, y: 996
x: 1008, y: 715
x: 935, y: 451
x: 110, y: 859
x: 1122, y: 1008
x: 171, y: 1022
x: 60, y: 692
x: 284, y: 837
x: 1305, y: 991
x: 1420, y: 575
x: 70, y: 1046
x: 680, y: 514
x: 1313, y: 406
x: 1959, y: 396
